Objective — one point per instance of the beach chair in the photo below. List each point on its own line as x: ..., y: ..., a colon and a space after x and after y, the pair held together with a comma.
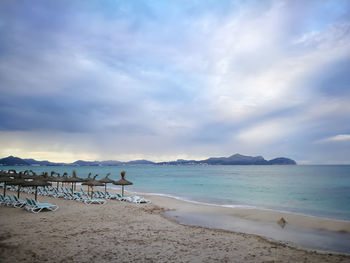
x: 36, y: 207
x: 5, y: 200
x: 79, y: 197
x: 100, y: 194
x: 18, y: 203
x: 88, y: 200
x: 110, y: 196
x: 121, y: 198
x: 99, y: 201
x: 138, y: 200
x: 83, y: 192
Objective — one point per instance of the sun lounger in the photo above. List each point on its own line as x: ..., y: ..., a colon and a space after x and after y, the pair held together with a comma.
x: 36, y: 207
x: 17, y: 203
x: 5, y: 200
x: 87, y: 200
x: 132, y: 199
x: 95, y: 201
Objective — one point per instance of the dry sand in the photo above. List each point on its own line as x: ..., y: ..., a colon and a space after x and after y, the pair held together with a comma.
x: 126, y: 232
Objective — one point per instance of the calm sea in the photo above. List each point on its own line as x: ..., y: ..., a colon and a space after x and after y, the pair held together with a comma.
x: 316, y: 190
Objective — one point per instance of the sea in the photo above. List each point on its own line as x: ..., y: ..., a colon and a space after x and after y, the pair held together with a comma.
x: 313, y: 190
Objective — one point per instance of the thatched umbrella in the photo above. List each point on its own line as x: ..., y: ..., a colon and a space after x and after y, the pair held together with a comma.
x: 74, y: 179
x: 35, y: 183
x: 64, y: 178
x: 12, y: 171
x: 59, y: 179
x: 91, y: 183
x: 5, y: 180
x: 88, y: 179
x: 122, y: 182
x: 18, y: 182
x: 43, y: 176
x: 106, y: 181
x: 27, y: 172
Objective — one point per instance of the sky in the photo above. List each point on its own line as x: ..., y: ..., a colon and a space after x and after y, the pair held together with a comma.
x: 162, y: 80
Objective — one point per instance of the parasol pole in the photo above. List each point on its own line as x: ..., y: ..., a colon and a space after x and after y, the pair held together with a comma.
x: 36, y: 193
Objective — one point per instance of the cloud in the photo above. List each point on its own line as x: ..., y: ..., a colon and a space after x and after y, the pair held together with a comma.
x: 337, y: 138
x: 173, y: 79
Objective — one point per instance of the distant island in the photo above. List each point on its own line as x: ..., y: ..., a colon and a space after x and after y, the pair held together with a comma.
x: 236, y: 159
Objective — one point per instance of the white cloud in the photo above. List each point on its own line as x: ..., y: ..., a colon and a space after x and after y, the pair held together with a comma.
x: 337, y: 138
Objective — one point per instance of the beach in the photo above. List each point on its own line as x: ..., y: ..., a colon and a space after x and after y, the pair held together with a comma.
x: 128, y: 232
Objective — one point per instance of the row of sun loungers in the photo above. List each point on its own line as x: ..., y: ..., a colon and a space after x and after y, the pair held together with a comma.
x: 63, y: 192
x: 28, y: 204
x: 98, y: 197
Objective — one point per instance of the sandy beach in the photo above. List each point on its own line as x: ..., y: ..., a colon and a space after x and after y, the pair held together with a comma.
x: 127, y: 232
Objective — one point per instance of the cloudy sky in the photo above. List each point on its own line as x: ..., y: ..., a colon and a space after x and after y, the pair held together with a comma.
x: 162, y: 80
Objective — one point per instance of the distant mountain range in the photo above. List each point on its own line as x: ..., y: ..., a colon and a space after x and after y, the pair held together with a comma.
x: 236, y: 159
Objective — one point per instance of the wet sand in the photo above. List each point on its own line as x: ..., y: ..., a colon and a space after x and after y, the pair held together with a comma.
x: 127, y: 232
x: 254, y: 214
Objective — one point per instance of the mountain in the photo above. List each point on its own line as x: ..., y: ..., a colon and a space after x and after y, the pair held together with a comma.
x: 138, y: 162
x: 47, y: 163
x: 86, y: 163
x: 236, y: 159
x: 282, y: 161
x: 11, y: 160
x: 111, y: 163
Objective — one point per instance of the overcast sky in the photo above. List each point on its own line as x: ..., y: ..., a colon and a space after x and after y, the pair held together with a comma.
x: 161, y: 80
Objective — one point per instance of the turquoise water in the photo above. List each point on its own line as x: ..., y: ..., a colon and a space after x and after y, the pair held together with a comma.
x: 317, y: 190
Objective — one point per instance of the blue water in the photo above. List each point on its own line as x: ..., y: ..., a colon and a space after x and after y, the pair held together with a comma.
x: 317, y: 190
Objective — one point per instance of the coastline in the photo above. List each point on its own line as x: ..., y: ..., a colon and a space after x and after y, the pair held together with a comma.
x: 130, y: 232
x: 254, y: 214
x: 303, y: 232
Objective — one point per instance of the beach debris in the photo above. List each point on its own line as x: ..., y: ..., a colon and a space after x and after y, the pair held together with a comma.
x: 282, y: 222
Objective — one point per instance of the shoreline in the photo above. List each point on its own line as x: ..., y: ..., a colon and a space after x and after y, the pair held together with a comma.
x: 130, y: 232
x: 248, y: 207
x: 250, y: 213
x: 301, y: 232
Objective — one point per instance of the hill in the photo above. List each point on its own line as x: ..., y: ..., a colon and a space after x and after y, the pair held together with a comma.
x: 236, y: 159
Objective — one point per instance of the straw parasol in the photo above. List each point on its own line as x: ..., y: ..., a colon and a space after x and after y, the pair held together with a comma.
x: 5, y: 180
x: 74, y: 179
x: 91, y: 183
x: 43, y: 176
x: 88, y: 178
x: 58, y: 179
x: 106, y: 181
x: 122, y: 182
x: 35, y: 183
x: 18, y: 182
